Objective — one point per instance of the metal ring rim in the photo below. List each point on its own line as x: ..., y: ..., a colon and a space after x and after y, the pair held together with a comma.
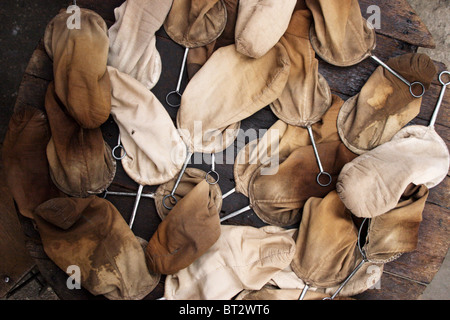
x: 411, y: 91
x: 322, y: 184
x: 166, y: 197
x: 209, y: 174
x: 167, y: 99
x: 114, y: 152
x: 440, y: 78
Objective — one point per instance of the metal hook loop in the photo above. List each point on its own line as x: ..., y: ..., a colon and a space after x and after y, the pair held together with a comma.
x: 170, y: 94
x: 325, y: 174
x: 442, y: 81
x: 114, y: 152
x: 119, y: 146
x: 164, y: 201
x: 209, y: 174
x: 411, y: 89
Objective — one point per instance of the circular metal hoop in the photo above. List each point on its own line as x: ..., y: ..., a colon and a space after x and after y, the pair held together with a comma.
x: 442, y: 81
x: 209, y: 174
x: 164, y: 201
x: 170, y: 94
x: 411, y: 89
x: 329, y: 179
x: 114, y: 152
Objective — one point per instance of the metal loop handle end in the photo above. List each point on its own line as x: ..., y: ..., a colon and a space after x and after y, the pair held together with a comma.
x: 209, y: 174
x: 164, y: 201
x: 170, y: 94
x: 411, y: 89
x: 329, y: 179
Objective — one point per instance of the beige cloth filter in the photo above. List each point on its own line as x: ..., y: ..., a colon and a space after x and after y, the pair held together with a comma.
x: 230, y: 87
x: 132, y: 47
x: 273, y: 293
x: 307, y: 95
x: 373, y: 183
x: 195, y: 23
x: 90, y: 233
x: 190, y: 179
x: 260, y: 25
x: 384, y: 104
x: 243, y: 257
x: 79, y: 66
x: 339, y: 34
x: 154, y: 149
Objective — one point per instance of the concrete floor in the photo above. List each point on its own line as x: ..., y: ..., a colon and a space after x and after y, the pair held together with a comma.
x: 23, y: 24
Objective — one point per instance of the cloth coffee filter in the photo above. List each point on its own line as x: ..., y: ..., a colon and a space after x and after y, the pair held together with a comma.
x: 154, y: 149
x: 384, y: 104
x: 339, y: 34
x: 80, y: 161
x: 273, y: 293
x: 90, y: 233
x: 243, y: 257
x: 190, y: 229
x: 373, y: 183
x: 397, y: 231
x: 79, y: 66
x: 367, y: 276
x: 326, y: 245
x: 25, y: 160
x: 195, y: 23
x: 198, y: 56
x: 390, y: 235
x: 132, y: 47
x: 190, y: 179
x: 307, y: 95
x: 278, y: 198
x: 260, y: 25
x: 281, y: 140
x: 213, y: 103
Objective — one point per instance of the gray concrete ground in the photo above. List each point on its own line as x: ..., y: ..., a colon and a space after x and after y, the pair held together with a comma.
x: 23, y: 23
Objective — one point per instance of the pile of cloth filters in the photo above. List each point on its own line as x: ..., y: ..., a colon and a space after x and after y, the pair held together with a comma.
x: 350, y: 184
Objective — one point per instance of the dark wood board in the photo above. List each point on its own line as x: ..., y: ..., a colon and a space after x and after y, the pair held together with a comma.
x: 402, y: 32
x: 16, y: 262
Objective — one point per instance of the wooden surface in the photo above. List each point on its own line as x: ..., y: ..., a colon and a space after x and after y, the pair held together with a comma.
x: 15, y: 261
x: 401, y: 32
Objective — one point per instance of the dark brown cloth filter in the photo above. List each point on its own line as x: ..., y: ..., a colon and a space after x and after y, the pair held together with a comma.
x: 278, y: 198
x: 190, y: 179
x: 188, y: 231
x: 80, y: 160
x: 25, y: 160
x: 90, y: 233
x: 284, y: 138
